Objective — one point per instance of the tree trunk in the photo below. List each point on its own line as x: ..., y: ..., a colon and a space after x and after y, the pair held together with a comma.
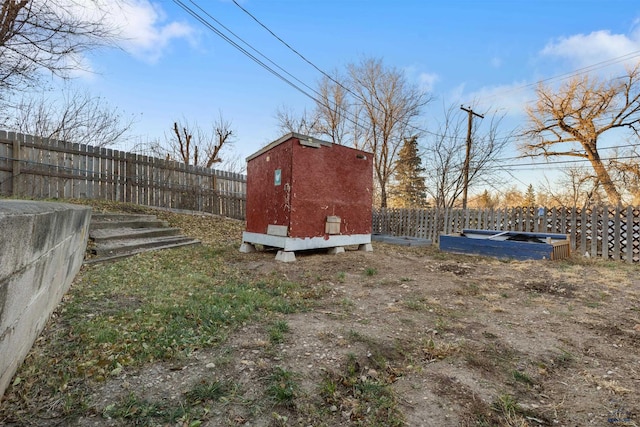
x: 603, y: 176
x: 383, y: 195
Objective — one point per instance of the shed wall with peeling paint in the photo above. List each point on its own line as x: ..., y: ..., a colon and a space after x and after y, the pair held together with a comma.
x: 298, y: 182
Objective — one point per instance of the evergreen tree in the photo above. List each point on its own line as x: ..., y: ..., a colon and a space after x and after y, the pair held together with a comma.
x: 486, y: 201
x: 410, y: 190
x: 530, y: 197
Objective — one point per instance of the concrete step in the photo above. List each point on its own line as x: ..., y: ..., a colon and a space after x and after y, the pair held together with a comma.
x: 129, y: 245
x: 119, y: 220
x: 110, y: 234
x: 131, y: 223
x: 119, y: 217
x: 120, y: 255
x: 115, y: 236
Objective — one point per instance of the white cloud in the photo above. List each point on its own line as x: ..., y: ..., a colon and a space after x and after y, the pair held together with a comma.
x: 509, y: 100
x: 145, y: 29
x: 427, y: 81
x: 584, y: 50
x: 456, y: 94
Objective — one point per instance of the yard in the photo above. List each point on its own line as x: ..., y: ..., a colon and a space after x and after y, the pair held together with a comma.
x: 207, y: 336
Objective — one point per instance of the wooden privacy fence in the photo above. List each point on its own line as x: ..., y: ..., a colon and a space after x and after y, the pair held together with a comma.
x: 602, y: 231
x: 42, y: 168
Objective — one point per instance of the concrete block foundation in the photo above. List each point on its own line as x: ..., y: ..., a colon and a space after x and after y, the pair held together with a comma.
x: 41, y: 251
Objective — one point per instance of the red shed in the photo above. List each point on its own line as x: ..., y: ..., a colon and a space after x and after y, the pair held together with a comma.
x: 303, y: 193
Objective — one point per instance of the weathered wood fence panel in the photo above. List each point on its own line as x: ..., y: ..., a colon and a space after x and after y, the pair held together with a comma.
x: 602, y: 231
x: 40, y: 168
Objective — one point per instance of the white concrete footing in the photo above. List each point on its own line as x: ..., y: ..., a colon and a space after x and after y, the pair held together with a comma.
x: 285, y: 256
x: 335, y: 251
x: 247, y: 248
x: 366, y: 247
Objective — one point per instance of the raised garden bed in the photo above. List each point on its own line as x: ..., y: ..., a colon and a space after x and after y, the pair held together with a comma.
x: 517, y: 245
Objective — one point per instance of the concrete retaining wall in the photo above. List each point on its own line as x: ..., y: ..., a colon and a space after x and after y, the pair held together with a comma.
x: 42, y: 247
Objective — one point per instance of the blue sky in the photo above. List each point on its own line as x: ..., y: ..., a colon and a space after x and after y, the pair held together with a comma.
x: 489, y: 52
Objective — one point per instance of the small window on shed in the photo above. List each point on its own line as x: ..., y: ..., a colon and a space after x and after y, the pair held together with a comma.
x: 277, y: 177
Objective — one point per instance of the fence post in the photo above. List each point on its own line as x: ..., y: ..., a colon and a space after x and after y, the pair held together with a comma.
x: 583, y: 231
x: 16, y: 187
x: 594, y: 231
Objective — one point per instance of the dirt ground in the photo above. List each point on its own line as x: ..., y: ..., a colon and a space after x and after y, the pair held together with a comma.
x: 464, y: 341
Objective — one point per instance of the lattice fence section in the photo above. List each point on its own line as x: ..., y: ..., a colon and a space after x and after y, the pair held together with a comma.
x: 603, y: 231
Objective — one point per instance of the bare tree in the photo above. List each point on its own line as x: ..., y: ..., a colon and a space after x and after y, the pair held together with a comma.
x: 576, y: 186
x: 372, y: 108
x: 626, y: 172
x: 289, y: 121
x: 486, y: 200
x: 511, y: 197
x: 390, y: 106
x: 49, y: 35
x: 193, y: 145
x: 444, y: 155
x: 571, y: 120
x: 233, y: 162
x: 75, y: 117
x: 332, y: 109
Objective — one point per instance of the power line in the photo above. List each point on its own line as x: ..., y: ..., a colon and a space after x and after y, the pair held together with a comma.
x: 211, y: 27
x: 562, y: 162
x: 325, y: 74
x: 613, y: 147
x: 573, y: 73
x: 253, y: 48
x: 346, y: 112
x: 570, y: 74
x: 226, y: 38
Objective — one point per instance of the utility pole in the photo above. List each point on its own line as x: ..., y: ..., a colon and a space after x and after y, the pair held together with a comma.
x: 466, y: 159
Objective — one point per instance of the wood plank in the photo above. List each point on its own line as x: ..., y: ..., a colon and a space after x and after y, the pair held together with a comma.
x: 103, y: 176
x: 110, y: 190
x: 68, y: 170
x: 6, y: 157
x: 74, y: 165
x: 93, y: 177
x: 29, y: 161
x: 16, y: 165
x: 583, y: 231
x: 80, y: 164
x: 141, y: 179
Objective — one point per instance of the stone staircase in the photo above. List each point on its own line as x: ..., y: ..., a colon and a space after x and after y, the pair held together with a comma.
x: 114, y: 236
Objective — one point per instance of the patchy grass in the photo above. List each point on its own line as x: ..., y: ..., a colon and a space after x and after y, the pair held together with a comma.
x: 158, y: 306
x: 365, y: 395
x: 277, y: 331
x: 191, y: 410
x: 140, y: 412
x: 282, y: 387
x: 208, y: 336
